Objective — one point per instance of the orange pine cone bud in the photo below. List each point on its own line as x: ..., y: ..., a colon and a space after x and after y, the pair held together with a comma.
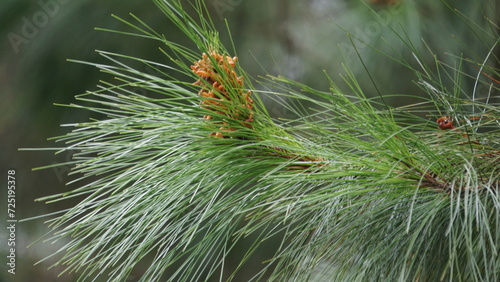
x: 445, y: 123
x: 217, y: 75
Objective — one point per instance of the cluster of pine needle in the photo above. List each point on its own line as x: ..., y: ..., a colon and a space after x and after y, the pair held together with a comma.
x: 352, y: 190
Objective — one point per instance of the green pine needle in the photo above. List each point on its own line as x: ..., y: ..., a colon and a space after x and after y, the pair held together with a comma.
x: 353, y: 189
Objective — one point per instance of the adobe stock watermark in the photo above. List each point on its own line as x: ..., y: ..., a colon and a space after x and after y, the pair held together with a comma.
x: 372, y: 28
x: 11, y: 179
x: 223, y: 6
x: 32, y: 25
x: 63, y: 169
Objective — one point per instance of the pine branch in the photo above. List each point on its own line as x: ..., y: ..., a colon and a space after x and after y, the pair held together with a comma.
x: 352, y: 189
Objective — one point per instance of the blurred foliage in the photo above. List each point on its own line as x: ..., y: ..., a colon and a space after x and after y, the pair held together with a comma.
x: 300, y: 40
x: 295, y: 39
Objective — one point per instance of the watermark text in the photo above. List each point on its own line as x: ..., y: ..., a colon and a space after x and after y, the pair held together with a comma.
x: 11, y: 221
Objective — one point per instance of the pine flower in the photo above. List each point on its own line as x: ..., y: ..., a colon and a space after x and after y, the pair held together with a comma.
x: 222, y: 90
x: 445, y: 123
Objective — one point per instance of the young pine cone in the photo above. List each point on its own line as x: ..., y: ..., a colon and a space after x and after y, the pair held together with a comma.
x: 222, y: 90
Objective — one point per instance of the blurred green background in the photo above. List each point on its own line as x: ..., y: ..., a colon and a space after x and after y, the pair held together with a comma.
x: 298, y: 39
